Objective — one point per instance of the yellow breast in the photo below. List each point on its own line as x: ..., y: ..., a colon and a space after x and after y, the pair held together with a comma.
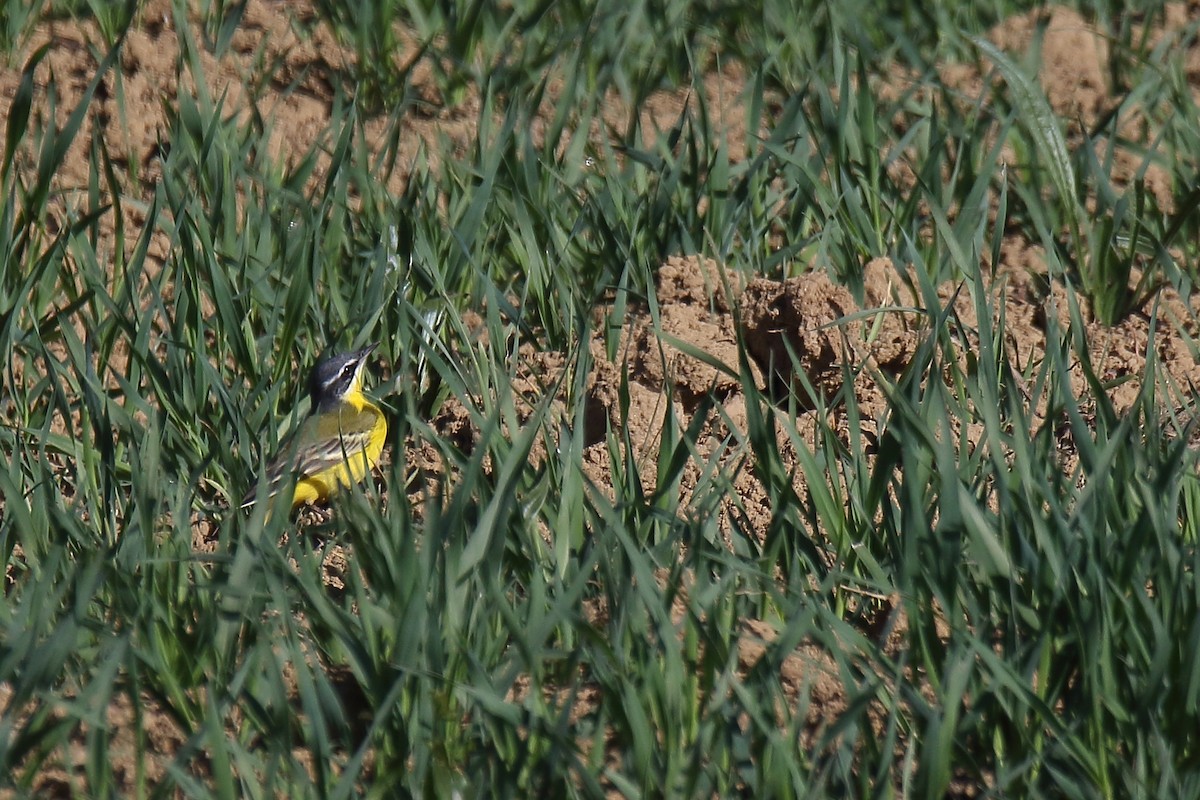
x: 339, y: 447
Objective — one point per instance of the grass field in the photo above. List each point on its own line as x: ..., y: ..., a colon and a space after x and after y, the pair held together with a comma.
x: 970, y: 572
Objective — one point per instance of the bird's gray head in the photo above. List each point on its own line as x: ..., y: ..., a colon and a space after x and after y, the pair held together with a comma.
x: 337, y: 376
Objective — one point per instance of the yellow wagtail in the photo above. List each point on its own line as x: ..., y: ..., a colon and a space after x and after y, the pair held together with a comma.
x: 339, y: 442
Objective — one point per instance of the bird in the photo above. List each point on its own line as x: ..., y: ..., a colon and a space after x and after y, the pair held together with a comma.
x: 340, y: 441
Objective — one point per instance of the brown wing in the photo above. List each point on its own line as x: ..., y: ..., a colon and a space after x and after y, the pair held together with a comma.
x: 321, y: 442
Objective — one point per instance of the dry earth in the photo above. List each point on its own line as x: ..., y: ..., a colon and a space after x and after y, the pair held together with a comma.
x: 696, y: 300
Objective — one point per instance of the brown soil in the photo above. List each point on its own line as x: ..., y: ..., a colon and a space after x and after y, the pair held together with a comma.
x: 699, y: 306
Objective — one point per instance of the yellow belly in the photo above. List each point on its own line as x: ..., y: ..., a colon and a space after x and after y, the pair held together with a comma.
x: 356, y: 464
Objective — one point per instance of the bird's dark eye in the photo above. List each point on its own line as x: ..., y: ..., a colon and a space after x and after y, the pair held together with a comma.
x: 348, y: 370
